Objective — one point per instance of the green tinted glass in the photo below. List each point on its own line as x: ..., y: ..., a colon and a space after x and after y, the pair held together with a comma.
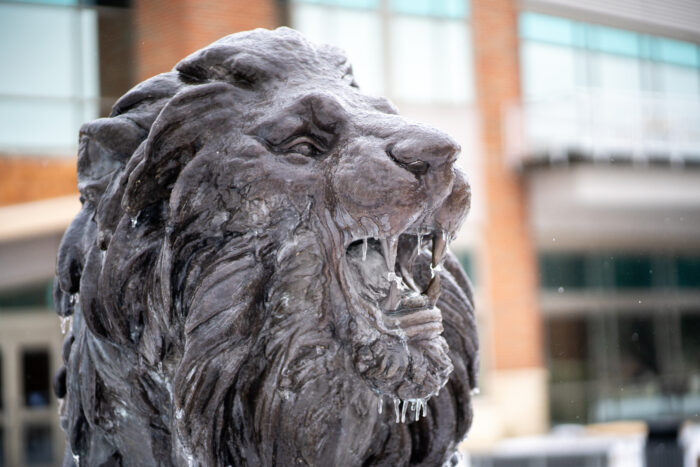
x: 344, y: 3
x: 27, y: 296
x: 440, y: 8
x: 675, y: 52
x: 633, y: 271
x: 688, y: 272
x: 615, y: 41
x: 546, y: 28
x: 562, y: 270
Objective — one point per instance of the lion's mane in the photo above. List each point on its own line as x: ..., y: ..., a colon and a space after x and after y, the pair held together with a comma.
x: 201, y: 332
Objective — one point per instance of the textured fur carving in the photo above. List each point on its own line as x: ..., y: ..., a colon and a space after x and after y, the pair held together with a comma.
x: 250, y: 278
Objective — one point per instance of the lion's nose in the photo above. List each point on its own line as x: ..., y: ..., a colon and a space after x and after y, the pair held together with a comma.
x: 418, y: 148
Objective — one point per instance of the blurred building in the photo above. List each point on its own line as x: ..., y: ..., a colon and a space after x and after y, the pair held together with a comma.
x: 580, y: 129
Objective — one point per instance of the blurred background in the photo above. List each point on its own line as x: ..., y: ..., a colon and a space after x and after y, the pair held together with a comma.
x: 580, y: 128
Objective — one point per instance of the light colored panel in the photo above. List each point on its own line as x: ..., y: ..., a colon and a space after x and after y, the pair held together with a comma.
x: 37, y: 53
x: 678, y: 15
x: 358, y: 32
x: 548, y: 70
x: 430, y: 60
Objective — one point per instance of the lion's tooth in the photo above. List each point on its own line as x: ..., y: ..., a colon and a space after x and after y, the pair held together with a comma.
x: 439, y: 248
x: 389, y: 247
x: 392, y: 300
x: 433, y: 291
x: 408, y: 279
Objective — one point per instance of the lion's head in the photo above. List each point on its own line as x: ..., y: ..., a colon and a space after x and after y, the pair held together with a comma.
x: 259, y: 273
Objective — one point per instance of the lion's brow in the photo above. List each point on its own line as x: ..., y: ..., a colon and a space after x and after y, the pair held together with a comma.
x: 325, y: 109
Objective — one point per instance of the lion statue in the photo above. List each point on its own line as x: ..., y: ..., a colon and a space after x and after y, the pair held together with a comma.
x: 259, y: 273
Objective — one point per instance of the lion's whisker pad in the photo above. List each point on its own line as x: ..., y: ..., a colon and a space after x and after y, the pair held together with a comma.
x: 260, y: 262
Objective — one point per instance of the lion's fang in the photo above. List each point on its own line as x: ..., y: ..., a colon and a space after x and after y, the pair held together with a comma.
x: 364, y: 248
x: 439, y: 248
x: 389, y: 246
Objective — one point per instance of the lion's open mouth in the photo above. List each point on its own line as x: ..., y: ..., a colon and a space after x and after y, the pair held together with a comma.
x: 382, y: 270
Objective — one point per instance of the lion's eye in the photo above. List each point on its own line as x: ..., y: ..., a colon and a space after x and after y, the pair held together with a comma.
x: 303, y: 145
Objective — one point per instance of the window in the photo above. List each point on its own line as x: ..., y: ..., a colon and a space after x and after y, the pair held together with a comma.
x: 430, y: 60
x: 37, y: 444
x: 35, y: 374
x: 339, y: 27
x: 28, y: 296
x: 414, y: 51
x: 612, y: 270
x: 562, y: 270
x: 688, y: 271
x: 559, y: 54
x: 52, y: 77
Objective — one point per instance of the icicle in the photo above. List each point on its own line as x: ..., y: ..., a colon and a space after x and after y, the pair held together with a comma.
x: 396, y: 409
x: 364, y: 249
x: 66, y: 324
x: 76, y: 458
x: 474, y: 392
x: 420, y: 241
x: 134, y: 221
x: 179, y: 413
x: 75, y: 298
x: 380, y: 405
x: 425, y: 407
x: 417, y: 414
x: 404, y: 407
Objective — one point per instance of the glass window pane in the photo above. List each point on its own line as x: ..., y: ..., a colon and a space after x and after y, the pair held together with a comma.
x: 676, y: 52
x: 568, y: 348
x: 430, y: 60
x: 690, y: 340
x: 29, y: 296
x: 344, y: 3
x: 547, y: 28
x: 631, y: 271
x: 614, y: 41
x: 37, y: 445
x: 615, y: 73
x: 35, y: 372
x: 562, y: 270
x: 638, y: 353
x: 48, y: 124
x: 548, y: 70
x: 688, y: 272
x: 50, y: 82
x: 2, y: 447
x: 340, y: 27
x: 440, y: 8
x: 682, y: 81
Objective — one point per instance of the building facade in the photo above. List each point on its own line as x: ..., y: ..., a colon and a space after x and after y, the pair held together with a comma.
x: 580, y: 131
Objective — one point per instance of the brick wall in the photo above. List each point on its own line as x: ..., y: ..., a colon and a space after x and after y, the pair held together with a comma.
x: 24, y: 179
x: 511, y: 272
x: 169, y: 30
